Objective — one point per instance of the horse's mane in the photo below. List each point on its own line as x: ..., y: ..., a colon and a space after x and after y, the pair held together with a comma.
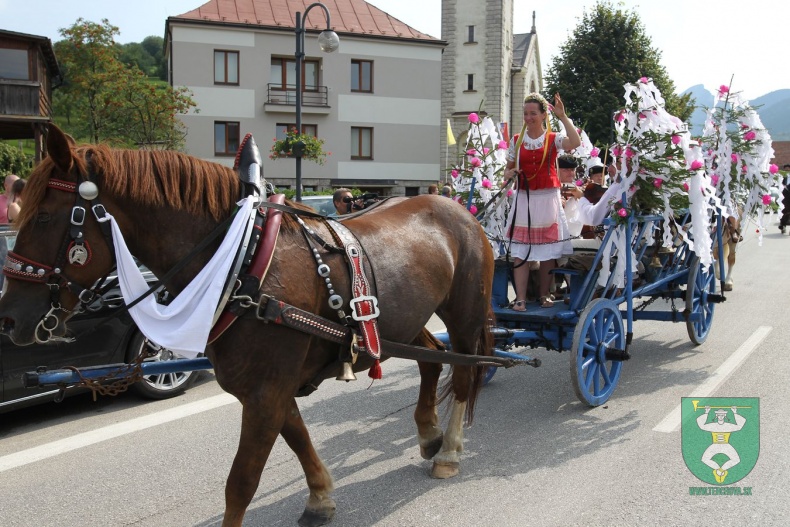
x: 151, y: 178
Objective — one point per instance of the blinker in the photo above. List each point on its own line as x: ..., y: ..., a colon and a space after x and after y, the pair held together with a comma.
x: 88, y: 190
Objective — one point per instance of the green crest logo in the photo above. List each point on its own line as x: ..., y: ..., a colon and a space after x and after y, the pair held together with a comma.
x: 720, y: 437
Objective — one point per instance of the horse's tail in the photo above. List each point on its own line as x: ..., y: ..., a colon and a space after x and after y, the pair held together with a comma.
x: 485, y: 346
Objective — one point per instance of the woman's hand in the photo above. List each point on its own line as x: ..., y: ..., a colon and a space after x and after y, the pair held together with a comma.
x: 559, y: 106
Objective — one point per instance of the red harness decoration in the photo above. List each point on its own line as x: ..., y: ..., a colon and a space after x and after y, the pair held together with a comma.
x: 260, y: 262
x: 364, y: 306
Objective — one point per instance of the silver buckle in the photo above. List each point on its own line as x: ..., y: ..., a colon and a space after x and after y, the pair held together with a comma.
x: 364, y: 318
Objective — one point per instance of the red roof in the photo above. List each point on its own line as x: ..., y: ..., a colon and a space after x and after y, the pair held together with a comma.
x: 347, y: 16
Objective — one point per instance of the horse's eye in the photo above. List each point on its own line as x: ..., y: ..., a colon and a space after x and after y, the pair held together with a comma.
x: 43, y: 217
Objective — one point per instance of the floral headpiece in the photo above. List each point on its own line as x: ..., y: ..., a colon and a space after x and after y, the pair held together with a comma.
x: 538, y: 98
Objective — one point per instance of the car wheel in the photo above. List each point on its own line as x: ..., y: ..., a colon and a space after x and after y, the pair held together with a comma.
x: 159, y: 386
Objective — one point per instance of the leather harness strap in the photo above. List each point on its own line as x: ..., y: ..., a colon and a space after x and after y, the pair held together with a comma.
x: 364, y: 304
x: 252, y: 279
x: 278, y: 312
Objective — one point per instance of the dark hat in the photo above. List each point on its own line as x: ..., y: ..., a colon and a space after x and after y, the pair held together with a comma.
x: 598, y: 169
x: 566, y: 161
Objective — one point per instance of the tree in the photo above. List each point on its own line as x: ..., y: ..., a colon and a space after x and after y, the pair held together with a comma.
x: 103, y: 99
x: 14, y: 161
x: 608, y: 49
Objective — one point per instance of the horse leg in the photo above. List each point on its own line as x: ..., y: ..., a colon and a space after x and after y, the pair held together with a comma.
x: 429, y: 433
x: 728, y: 281
x: 260, y: 425
x: 447, y: 463
x: 320, y: 508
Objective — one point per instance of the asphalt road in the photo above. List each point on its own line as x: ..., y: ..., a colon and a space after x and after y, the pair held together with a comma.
x: 534, y: 456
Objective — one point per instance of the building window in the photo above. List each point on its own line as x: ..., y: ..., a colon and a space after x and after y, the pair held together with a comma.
x: 226, y: 67
x: 226, y: 138
x: 283, y: 73
x: 412, y: 191
x: 470, y: 82
x: 309, y: 129
x: 470, y: 34
x: 361, y: 143
x: 362, y: 76
x: 14, y: 64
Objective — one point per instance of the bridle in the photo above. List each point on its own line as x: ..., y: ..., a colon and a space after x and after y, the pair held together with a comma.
x: 74, y: 250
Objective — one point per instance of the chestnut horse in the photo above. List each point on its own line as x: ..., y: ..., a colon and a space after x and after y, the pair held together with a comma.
x: 730, y: 238
x: 428, y: 255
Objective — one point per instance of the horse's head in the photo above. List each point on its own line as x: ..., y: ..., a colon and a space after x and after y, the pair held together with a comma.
x: 60, y: 250
x: 732, y: 230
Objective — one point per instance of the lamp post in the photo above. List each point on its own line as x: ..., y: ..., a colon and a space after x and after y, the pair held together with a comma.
x: 328, y: 41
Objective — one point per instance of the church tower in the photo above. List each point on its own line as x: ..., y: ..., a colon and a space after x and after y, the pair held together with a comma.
x: 477, y: 61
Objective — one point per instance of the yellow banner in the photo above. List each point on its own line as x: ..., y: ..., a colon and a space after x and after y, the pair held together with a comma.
x: 450, y: 136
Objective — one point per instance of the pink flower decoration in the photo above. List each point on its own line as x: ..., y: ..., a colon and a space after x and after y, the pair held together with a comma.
x: 714, y: 179
x: 767, y: 199
x: 502, y: 145
x: 657, y: 183
x: 509, y: 192
x: 723, y: 89
x: 629, y: 153
x: 594, y: 152
x: 696, y: 165
x: 641, y: 115
x: 579, y: 182
x: 734, y: 158
x: 471, y: 152
x: 744, y: 126
x: 486, y: 183
x: 622, y: 213
x: 620, y: 117
x: 474, y: 118
x: 773, y: 169
x: 750, y: 135
x: 616, y: 151
x: 486, y: 151
x: 632, y: 189
x: 643, y: 80
x: 475, y: 162
x: 675, y: 139
x: 743, y: 168
x: 454, y: 173
x: 685, y: 186
x: 473, y: 209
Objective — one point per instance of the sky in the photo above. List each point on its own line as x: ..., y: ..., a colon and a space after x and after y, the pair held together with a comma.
x: 701, y: 41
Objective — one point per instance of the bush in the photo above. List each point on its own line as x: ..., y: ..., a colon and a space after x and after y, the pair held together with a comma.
x: 14, y: 161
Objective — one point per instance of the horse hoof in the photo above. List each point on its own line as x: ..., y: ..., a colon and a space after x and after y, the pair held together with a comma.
x: 318, y: 517
x: 445, y: 470
x: 727, y: 287
x: 431, y: 449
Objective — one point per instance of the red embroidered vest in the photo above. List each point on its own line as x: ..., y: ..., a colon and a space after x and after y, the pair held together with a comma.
x: 536, y: 170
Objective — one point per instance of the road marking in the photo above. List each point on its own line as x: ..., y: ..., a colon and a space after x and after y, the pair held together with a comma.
x: 84, y: 439
x: 672, y: 421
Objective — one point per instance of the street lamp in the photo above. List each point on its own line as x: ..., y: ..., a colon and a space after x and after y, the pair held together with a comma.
x: 328, y: 41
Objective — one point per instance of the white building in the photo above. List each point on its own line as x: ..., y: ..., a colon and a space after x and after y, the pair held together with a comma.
x: 376, y: 101
x: 485, y: 63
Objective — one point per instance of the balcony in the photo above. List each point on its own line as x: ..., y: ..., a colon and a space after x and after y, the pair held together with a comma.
x: 283, y: 100
x: 23, y: 98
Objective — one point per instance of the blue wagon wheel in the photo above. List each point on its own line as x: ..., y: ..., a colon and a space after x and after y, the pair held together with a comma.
x: 598, y: 346
x: 700, y: 286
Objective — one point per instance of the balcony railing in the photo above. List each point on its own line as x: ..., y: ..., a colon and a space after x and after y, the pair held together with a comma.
x: 23, y: 98
x: 277, y: 94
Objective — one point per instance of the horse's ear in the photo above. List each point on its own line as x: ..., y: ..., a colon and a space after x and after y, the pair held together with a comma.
x: 59, y: 148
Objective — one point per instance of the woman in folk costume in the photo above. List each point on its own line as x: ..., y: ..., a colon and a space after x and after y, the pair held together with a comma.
x: 537, y: 229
